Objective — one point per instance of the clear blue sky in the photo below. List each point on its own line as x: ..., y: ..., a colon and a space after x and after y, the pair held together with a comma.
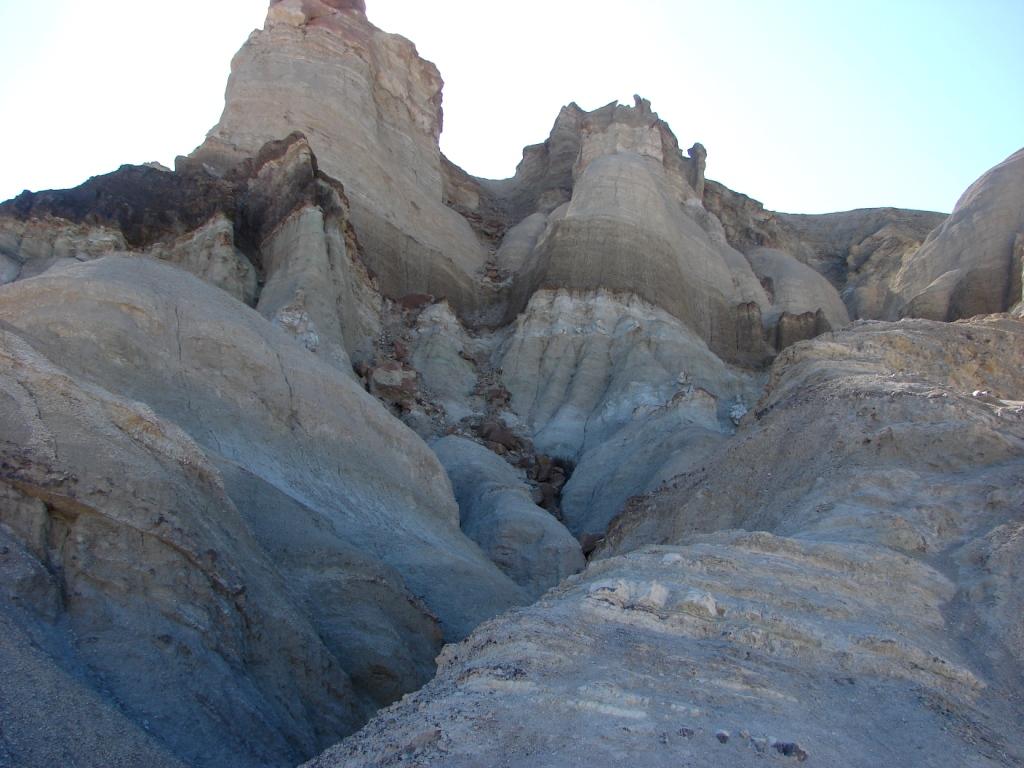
x: 806, y: 106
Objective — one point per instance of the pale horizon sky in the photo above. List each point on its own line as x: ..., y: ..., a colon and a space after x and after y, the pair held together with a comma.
x: 806, y: 106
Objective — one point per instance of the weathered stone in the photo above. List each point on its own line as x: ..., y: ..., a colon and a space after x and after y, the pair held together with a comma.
x: 795, y: 290
x: 276, y: 218
x: 156, y: 584
x: 289, y: 435
x: 966, y: 266
x: 440, y: 355
x: 859, y: 252
x: 217, y: 548
x: 498, y: 433
x: 394, y: 384
x: 496, y: 511
x: 878, y: 571
x: 371, y: 109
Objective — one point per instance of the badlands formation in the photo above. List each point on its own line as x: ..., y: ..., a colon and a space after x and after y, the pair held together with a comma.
x: 317, y: 449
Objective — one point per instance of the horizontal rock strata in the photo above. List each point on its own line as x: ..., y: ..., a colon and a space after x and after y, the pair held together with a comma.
x: 292, y: 436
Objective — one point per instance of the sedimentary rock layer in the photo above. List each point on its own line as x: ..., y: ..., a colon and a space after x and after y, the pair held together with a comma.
x: 347, y: 515
x: 972, y: 263
x: 873, y: 619
x: 277, y: 425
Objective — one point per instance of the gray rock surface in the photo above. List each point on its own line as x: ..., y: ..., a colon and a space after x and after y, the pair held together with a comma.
x: 10, y: 268
x: 610, y: 202
x: 30, y: 247
x: 225, y: 542
x: 860, y: 630
x: 316, y: 285
x: 164, y: 327
x: 859, y: 252
x: 442, y: 354
x: 371, y: 109
x: 130, y: 577
x: 968, y: 266
x: 890, y: 415
x: 580, y: 366
x: 209, y: 252
x: 301, y: 266
x: 623, y: 203
x: 292, y: 439
x: 498, y: 513
x: 650, y: 450
x: 795, y: 288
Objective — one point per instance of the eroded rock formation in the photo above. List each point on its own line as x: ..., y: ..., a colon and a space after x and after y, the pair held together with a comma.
x: 845, y: 600
x: 277, y: 425
x: 972, y: 263
x: 365, y: 550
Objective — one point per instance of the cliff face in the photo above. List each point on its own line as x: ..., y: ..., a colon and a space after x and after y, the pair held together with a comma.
x: 279, y: 424
x: 610, y: 201
x: 972, y: 263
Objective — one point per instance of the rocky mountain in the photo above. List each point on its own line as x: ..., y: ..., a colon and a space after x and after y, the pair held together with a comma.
x: 318, y: 445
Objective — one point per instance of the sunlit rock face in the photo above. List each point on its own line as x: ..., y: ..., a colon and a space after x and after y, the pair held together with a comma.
x: 610, y: 202
x: 370, y: 108
x: 972, y: 263
x: 614, y: 444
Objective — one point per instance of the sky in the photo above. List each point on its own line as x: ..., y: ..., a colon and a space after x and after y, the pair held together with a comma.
x: 808, y: 106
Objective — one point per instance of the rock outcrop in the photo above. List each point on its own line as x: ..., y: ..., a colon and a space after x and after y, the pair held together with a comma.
x: 804, y: 304
x: 278, y: 425
x: 608, y: 202
x: 859, y: 615
x: 496, y: 510
x: 274, y: 234
x: 971, y: 265
x: 370, y: 549
x: 617, y: 387
x: 371, y: 110
x: 859, y: 252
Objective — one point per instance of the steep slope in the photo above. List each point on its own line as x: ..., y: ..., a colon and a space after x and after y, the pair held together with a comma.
x: 277, y: 425
x: 135, y: 587
x: 877, y: 623
x: 371, y: 109
x: 972, y: 263
x: 371, y: 549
